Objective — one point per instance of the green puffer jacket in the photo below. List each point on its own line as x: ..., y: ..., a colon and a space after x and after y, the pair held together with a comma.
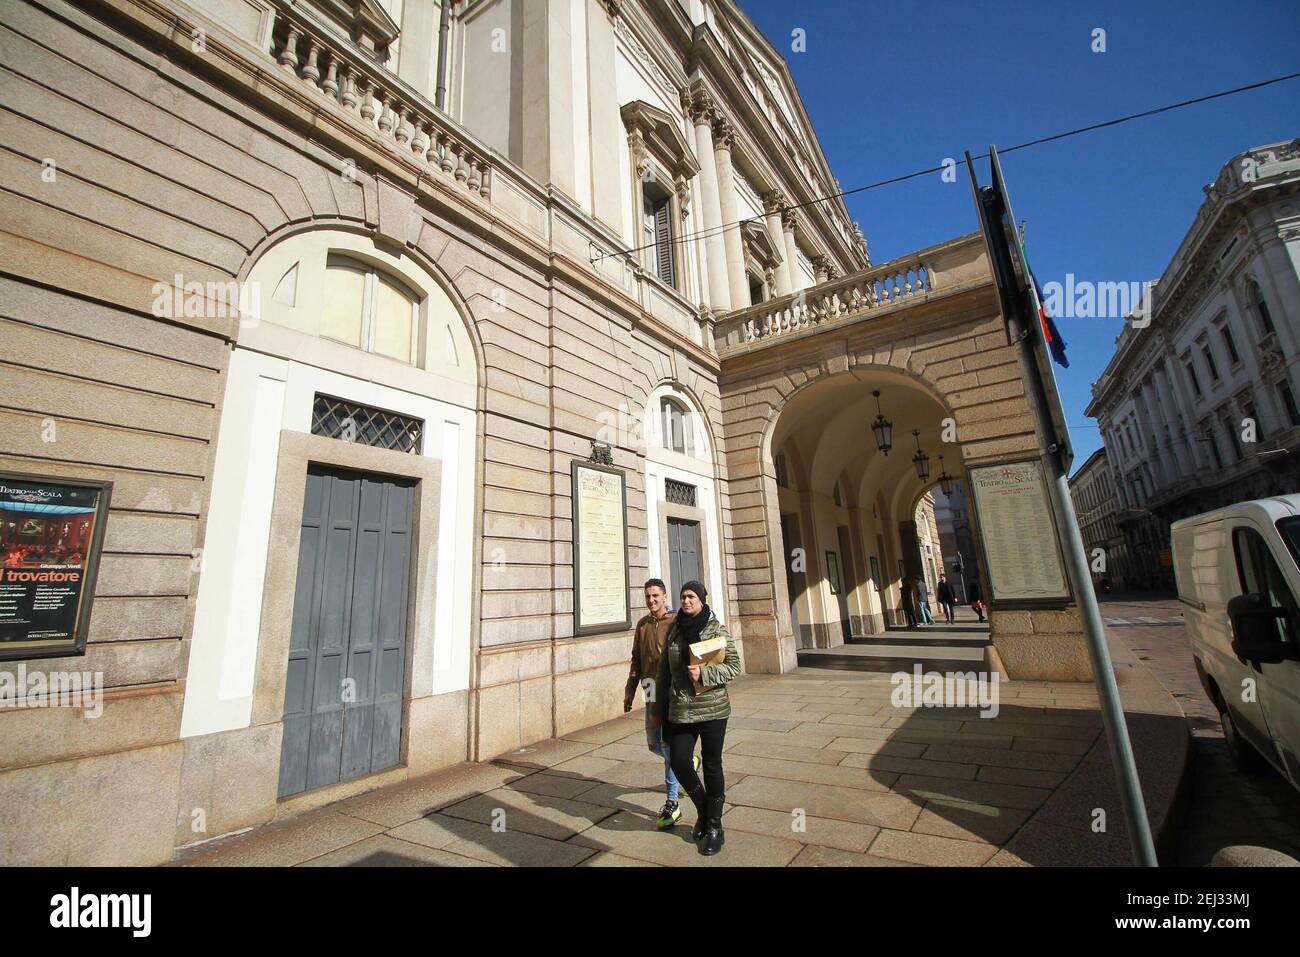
x: 675, y: 697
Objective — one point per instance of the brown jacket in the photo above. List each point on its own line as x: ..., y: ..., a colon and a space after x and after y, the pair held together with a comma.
x: 647, y: 646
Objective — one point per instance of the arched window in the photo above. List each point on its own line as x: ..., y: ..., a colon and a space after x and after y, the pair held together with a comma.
x: 678, y: 433
x: 1261, y: 307
x: 369, y: 309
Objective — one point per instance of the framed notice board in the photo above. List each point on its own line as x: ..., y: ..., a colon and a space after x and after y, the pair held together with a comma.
x: 51, y: 535
x: 600, y: 570
x: 1018, y: 535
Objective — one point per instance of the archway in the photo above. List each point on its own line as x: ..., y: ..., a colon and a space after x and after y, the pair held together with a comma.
x: 845, y: 513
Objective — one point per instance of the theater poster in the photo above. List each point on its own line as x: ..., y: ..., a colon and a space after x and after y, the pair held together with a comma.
x: 600, y: 568
x: 51, y: 534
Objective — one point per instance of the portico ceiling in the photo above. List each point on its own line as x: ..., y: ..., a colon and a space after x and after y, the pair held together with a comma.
x: 828, y: 425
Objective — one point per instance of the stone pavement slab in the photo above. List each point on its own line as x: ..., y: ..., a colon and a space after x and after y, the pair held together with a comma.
x: 970, y: 822
x: 481, y: 842
x: 930, y: 850
x: 825, y: 831
x: 545, y: 816
x: 627, y: 835
x: 285, y: 843
x: 883, y: 809
x: 816, y: 856
x: 383, y: 850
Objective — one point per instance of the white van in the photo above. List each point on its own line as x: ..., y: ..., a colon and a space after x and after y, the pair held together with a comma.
x: 1238, y: 572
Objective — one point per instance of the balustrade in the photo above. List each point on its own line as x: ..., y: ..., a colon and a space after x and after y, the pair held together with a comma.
x: 379, y: 100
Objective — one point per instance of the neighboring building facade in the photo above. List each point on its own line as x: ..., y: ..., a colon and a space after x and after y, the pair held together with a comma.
x: 1199, y: 407
x: 1096, y: 505
x: 952, y: 516
x: 335, y: 305
x: 931, y: 547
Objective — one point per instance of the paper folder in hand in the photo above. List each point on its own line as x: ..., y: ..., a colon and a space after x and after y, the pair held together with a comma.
x: 712, y: 651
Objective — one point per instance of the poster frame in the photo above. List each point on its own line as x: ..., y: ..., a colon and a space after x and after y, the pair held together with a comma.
x: 580, y: 629
x: 77, y: 647
x: 986, y: 568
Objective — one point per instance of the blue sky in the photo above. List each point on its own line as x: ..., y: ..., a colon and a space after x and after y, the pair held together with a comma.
x: 893, y: 88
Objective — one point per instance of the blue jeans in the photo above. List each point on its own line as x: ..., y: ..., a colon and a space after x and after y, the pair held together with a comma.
x: 926, y: 617
x: 654, y: 739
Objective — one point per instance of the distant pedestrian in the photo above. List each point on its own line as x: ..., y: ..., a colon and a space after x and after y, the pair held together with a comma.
x: 947, y: 599
x: 909, y: 609
x: 923, y: 601
x: 976, y: 599
x: 692, y: 705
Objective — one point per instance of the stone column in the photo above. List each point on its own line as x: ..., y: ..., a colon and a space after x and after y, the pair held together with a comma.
x: 789, y: 223
x: 724, y: 136
x: 773, y: 203
x: 699, y: 106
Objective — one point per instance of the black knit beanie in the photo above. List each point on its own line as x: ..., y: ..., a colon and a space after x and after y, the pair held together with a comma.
x: 697, y: 587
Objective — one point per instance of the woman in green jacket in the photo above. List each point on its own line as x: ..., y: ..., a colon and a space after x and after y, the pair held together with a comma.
x: 688, y: 715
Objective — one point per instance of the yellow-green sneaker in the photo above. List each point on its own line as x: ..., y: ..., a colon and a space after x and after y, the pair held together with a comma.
x: 669, y: 815
x: 695, y: 760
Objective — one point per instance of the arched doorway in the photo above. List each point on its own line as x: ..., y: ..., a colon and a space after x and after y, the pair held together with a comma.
x: 343, y: 503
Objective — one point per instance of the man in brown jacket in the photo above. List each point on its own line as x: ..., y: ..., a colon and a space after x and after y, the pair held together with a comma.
x: 647, y: 646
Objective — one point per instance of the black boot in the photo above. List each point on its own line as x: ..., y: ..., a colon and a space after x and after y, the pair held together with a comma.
x: 700, y: 800
x: 713, y: 836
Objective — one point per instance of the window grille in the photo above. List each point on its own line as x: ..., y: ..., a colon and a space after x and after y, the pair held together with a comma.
x: 679, y: 493
x: 338, y: 419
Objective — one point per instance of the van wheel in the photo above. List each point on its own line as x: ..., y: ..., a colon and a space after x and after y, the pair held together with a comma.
x: 1244, y: 755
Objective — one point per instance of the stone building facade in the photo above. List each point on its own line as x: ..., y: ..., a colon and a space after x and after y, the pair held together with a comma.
x: 1096, y: 504
x: 1199, y: 406
x: 335, y: 294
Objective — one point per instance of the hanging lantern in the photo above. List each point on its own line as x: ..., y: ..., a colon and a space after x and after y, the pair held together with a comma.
x: 945, y: 480
x: 883, y: 428
x: 920, y: 459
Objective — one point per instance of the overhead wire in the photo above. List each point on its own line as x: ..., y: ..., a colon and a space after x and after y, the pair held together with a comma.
x: 1077, y: 131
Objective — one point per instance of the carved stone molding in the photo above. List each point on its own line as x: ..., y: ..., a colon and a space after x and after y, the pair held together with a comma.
x: 699, y: 105
x: 789, y: 220
x: 641, y: 54
x: 724, y: 133
x: 823, y: 266
x: 652, y: 132
x: 773, y: 201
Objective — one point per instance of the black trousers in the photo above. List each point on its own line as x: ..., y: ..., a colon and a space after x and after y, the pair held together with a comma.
x: 681, y: 740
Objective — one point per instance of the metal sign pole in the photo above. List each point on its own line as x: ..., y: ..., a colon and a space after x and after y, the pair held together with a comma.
x: 1025, y: 333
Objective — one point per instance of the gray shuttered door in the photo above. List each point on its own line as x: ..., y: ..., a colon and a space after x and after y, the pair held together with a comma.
x: 347, y: 653
x: 683, y: 554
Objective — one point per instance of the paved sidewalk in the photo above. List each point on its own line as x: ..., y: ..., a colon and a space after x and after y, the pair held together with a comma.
x: 821, y: 770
